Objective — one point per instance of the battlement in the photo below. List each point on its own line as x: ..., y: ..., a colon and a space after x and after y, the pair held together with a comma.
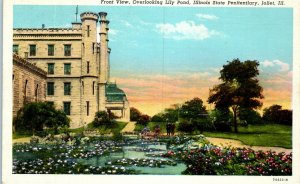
x: 47, y: 31
x: 89, y: 16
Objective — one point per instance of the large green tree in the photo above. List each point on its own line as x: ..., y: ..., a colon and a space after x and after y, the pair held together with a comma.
x: 239, y: 88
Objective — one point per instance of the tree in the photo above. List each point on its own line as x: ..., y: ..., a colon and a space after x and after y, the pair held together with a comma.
x: 193, y: 109
x: 38, y: 115
x: 135, y: 114
x: 275, y: 114
x: 250, y: 116
x: 143, y: 119
x: 239, y: 88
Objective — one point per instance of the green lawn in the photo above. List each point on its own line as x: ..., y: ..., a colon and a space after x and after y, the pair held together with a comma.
x: 109, y: 129
x: 260, y: 135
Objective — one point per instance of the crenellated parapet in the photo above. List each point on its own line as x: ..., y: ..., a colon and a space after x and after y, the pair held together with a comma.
x: 89, y: 16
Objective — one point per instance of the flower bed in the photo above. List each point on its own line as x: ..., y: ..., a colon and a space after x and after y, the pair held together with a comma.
x: 213, y: 160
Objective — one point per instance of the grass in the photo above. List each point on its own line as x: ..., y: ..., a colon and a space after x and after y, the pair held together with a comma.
x: 260, y: 135
x: 116, y: 128
x: 18, y: 135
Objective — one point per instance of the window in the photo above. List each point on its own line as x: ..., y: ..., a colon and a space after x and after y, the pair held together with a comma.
x: 50, y: 68
x: 88, y: 67
x: 16, y: 49
x: 50, y: 88
x: 67, y: 50
x: 93, y: 87
x: 67, y: 88
x: 36, y: 92
x: 88, y: 31
x: 87, y: 108
x: 67, y: 68
x: 32, y: 50
x: 67, y: 108
x: 50, y: 50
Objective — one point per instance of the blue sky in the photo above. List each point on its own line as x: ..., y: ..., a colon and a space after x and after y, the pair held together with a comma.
x: 185, y: 47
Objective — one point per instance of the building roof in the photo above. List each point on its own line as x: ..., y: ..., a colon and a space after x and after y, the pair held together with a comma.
x: 114, y: 94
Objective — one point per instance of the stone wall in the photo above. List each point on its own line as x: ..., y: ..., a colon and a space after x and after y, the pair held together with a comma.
x: 29, y: 83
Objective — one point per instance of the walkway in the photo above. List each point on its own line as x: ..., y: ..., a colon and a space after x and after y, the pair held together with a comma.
x: 129, y: 128
x: 238, y: 144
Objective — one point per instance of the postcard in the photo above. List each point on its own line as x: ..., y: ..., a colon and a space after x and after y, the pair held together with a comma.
x: 150, y: 91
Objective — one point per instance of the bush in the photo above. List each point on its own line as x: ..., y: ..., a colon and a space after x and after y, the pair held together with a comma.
x: 202, y: 124
x: 143, y: 120
x: 39, y: 115
x: 221, y: 119
x: 250, y: 116
x: 102, y: 119
x: 186, y: 126
x: 275, y: 114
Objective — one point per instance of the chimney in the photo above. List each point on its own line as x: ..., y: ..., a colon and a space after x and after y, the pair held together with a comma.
x: 43, y: 26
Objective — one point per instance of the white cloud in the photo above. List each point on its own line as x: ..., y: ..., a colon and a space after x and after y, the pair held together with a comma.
x: 185, y: 30
x: 207, y: 16
x: 267, y: 63
x: 126, y: 23
x: 113, y: 31
x: 283, y: 67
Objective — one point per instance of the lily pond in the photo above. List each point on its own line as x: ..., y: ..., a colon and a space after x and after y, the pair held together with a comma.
x: 131, y: 155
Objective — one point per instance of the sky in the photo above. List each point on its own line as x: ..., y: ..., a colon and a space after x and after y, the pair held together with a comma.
x: 168, y: 55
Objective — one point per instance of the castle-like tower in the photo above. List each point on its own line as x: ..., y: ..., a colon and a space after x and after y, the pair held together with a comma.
x: 77, y: 66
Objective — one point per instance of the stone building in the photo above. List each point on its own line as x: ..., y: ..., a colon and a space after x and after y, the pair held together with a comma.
x: 29, y: 83
x: 77, y: 66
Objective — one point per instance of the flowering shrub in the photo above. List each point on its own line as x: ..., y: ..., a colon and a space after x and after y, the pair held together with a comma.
x: 213, y: 160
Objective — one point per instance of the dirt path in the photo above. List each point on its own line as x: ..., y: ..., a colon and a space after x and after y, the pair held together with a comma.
x: 238, y: 144
x: 129, y: 128
x: 21, y: 140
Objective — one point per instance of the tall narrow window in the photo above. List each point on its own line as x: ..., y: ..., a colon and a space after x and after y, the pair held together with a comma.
x: 88, y: 67
x: 67, y: 68
x: 88, y: 31
x: 93, y: 47
x: 32, y: 50
x: 36, y: 92
x: 50, y: 50
x: 67, y: 108
x: 25, y: 91
x: 93, y: 87
x: 67, y: 49
x: 16, y: 49
x: 50, y: 88
x: 50, y: 68
x: 67, y: 88
x: 87, y: 108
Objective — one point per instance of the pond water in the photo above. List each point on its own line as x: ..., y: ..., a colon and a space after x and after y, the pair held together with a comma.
x: 136, y: 152
x: 134, y: 156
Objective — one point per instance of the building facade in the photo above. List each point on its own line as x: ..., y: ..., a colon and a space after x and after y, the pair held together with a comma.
x: 77, y: 67
x: 29, y: 83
